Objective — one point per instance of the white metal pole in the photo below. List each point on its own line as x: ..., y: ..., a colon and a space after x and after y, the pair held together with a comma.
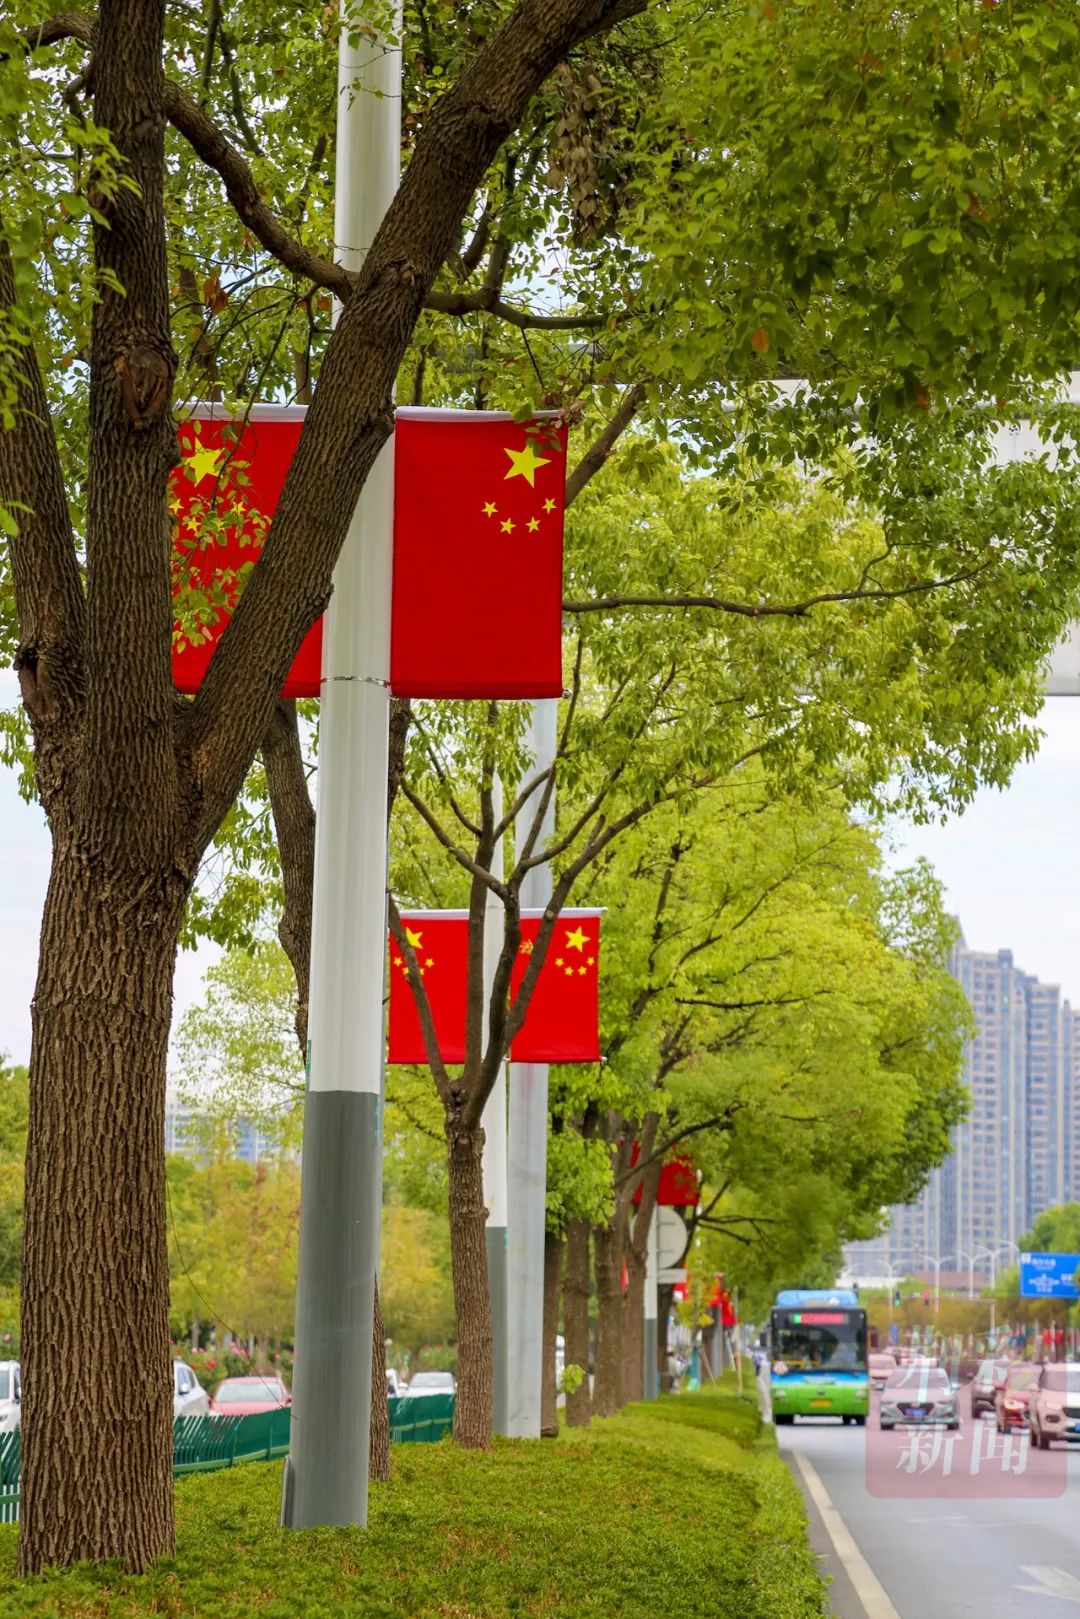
x: 494, y: 1123
x: 326, y: 1479
x: 527, y: 1157
x: 652, y: 1255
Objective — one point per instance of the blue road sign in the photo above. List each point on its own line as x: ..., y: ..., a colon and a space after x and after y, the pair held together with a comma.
x: 1049, y: 1276
x: 894, y: 1332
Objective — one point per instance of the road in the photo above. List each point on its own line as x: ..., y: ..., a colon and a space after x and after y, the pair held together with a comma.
x: 941, y: 1555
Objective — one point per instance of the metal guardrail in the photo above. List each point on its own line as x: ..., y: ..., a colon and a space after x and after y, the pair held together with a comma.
x: 206, y: 1444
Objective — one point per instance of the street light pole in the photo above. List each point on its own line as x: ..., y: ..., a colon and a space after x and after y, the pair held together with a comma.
x: 494, y: 1162
x: 326, y: 1475
x: 527, y: 1145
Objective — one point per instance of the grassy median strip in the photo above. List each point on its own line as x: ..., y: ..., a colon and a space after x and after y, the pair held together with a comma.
x: 681, y: 1509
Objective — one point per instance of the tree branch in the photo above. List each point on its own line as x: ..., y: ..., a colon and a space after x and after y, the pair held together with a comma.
x: 53, y: 30
x: 44, y: 565
x: 611, y: 604
x: 602, y: 446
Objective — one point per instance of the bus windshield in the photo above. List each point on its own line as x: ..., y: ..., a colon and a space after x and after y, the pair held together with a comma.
x: 819, y: 1340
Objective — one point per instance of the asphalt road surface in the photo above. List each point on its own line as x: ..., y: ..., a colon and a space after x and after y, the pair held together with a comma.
x: 898, y: 1527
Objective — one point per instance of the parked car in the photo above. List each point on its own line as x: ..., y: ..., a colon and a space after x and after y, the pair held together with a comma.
x: 1014, y: 1396
x: 10, y: 1396
x: 881, y: 1367
x: 1054, y: 1408
x: 915, y: 1395
x: 190, y: 1399
x: 245, y: 1396
x: 431, y: 1383
x: 989, y: 1377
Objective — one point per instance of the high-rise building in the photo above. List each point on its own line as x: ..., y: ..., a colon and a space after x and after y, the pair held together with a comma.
x: 1018, y: 1151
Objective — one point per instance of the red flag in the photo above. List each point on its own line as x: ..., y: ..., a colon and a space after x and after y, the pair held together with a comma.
x: 678, y: 1188
x: 440, y: 941
x: 478, y: 533
x: 478, y: 530
x: 222, y: 497
x: 561, y: 1024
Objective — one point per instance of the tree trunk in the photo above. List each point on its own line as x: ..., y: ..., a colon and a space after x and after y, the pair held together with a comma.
x: 665, y: 1296
x: 576, y: 1320
x: 633, y: 1334
x: 97, y: 1383
x: 472, y: 1299
x: 379, y: 1456
x: 607, y: 1389
x: 554, y: 1247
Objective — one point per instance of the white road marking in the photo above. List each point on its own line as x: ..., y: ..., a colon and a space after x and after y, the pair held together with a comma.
x: 1052, y: 1582
x: 868, y: 1588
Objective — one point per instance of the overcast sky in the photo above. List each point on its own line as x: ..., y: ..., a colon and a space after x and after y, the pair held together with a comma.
x: 1010, y: 865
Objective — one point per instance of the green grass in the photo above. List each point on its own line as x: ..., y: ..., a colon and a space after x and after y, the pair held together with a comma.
x: 677, y: 1510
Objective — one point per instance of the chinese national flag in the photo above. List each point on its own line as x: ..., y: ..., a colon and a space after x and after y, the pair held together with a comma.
x: 478, y: 536
x: 222, y: 497
x: 478, y: 532
x: 678, y: 1188
x: 441, y: 946
x: 561, y: 1024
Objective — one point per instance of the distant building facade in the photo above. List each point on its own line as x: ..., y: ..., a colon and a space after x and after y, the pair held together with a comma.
x: 182, y: 1134
x: 1017, y: 1153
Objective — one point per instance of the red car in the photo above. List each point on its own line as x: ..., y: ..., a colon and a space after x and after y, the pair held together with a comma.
x: 244, y: 1396
x: 1014, y: 1396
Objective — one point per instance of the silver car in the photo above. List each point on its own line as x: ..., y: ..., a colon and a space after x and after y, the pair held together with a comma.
x: 915, y: 1395
x: 190, y: 1399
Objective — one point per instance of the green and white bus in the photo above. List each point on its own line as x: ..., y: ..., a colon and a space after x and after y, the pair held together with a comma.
x: 817, y: 1356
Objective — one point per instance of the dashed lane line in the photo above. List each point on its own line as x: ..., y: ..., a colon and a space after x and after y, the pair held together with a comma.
x: 868, y: 1588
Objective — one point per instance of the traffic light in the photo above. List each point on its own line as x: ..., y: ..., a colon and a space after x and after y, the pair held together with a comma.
x: 896, y: 1298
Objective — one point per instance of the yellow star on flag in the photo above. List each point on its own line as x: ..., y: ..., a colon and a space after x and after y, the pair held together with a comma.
x: 549, y: 505
x: 428, y: 962
x: 525, y: 464
x: 569, y: 972
x: 576, y: 940
x: 203, y: 461
x: 507, y: 526
x: 558, y: 961
x: 533, y: 524
x: 527, y: 948
x: 415, y: 939
x: 489, y: 508
x: 583, y: 969
x: 174, y: 504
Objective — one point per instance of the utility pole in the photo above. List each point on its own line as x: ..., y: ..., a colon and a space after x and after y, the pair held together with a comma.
x: 326, y: 1475
x: 494, y: 1123
x: 527, y: 1154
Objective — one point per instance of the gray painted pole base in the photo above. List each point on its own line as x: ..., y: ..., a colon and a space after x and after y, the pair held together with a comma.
x: 496, y: 1258
x: 326, y: 1477
x: 650, y: 1359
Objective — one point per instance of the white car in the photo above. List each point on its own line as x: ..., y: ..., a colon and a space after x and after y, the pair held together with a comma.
x: 10, y: 1396
x: 190, y: 1399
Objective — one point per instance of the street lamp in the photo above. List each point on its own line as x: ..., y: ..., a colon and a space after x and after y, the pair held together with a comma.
x: 993, y: 1255
x: 937, y: 1264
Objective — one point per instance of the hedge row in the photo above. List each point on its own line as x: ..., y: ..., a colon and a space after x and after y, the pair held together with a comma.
x: 682, y: 1509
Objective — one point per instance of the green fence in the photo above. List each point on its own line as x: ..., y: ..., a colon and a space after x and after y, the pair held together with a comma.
x: 203, y: 1444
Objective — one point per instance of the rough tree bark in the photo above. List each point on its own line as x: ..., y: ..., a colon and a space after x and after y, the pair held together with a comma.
x: 472, y: 1302
x: 576, y: 1320
x: 665, y: 1298
x: 637, y: 1227
x: 136, y: 782
x: 607, y: 1397
x: 554, y: 1248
